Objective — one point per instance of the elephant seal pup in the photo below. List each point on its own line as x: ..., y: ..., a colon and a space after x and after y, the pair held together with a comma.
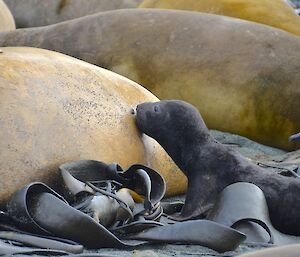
x: 211, y: 166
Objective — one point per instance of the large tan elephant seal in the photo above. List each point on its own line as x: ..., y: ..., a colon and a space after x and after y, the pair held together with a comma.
x: 7, y: 21
x: 275, y: 13
x: 242, y: 76
x: 35, y: 13
x: 55, y: 109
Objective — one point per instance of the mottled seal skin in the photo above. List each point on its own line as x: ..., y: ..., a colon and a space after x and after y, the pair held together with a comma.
x: 250, y: 70
x: 7, y: 22
x: 275, y: 13
x: 210, y: 166
x: 54, y: 109
x: 36, y: 13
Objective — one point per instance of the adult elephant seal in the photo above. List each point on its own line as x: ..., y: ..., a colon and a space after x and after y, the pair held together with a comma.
x: 275, y: 13
x: 55, y: 109
x: 210, y: 166
x: 6, y: 19
x: 243, y: 76
x: 36, y: 13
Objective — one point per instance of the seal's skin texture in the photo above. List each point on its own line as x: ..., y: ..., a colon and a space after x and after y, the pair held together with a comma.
x: 7, y: 21
x: 36, y: 13
x: 275, y: 13
x: 242, y: 76
x: 211, y: 166
x: 56, y: 109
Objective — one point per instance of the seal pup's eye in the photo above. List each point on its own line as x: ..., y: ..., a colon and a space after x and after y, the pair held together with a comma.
x: 156, y: 108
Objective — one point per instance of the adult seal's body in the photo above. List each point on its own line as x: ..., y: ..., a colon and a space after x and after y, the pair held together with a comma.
x: 211, y: 166
x: 275, y: 13
x: 54, y: 108
x: 36, y: 13
x: 7, y: 22
x: 250, y: 70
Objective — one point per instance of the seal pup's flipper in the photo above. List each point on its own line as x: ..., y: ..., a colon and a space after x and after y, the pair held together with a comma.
x: 243, y: 206
x: 282, y: 251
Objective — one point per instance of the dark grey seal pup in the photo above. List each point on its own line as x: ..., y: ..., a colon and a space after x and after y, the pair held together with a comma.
x: 210, y: 166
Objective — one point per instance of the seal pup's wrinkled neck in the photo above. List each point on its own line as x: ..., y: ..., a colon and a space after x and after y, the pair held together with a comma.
x: 181, y: 129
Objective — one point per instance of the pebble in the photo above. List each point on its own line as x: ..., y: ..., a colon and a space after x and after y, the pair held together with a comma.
x: 146, y: 253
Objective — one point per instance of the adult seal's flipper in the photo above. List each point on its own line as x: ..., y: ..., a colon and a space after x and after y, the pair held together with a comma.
x: 282, y: 251
x: 243, y: 206
x: 201, y: 232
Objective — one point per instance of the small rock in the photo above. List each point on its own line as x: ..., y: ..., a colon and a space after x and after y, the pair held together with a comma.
x: 146, y: 253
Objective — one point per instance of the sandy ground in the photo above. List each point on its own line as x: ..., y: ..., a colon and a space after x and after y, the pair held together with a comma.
x: 179, y: 250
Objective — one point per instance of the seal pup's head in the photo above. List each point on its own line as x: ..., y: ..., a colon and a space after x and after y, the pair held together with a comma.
x: 176, y: 125
x: 169, y: 119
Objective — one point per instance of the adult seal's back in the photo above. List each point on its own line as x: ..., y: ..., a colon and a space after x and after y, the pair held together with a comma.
x: 211, y: 166
x: 7, y: 21
x: 55, y: 109
x: 275, y: 13
x: 243, y: 76
x: 36, y: 13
